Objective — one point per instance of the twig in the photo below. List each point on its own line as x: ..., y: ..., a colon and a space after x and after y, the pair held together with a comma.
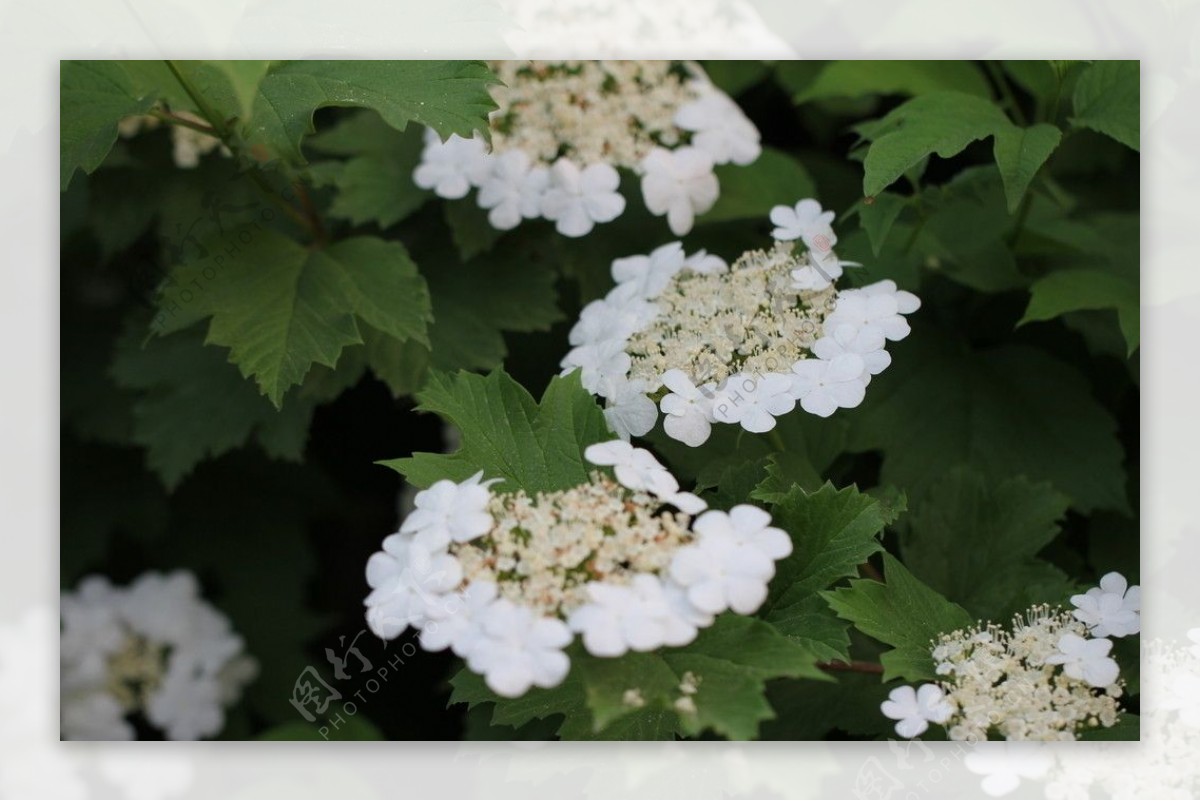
x: 851, y: 667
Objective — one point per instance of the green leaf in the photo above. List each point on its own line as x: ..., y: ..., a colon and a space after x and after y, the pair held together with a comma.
x: 944, y: 123
x: 243, y: 79
x: 536, y: 447
x: 878, y: 216
x: 1107, y: 99
x: 1020, y: 153
x: 902, y: 613
x: 227, y: 87
x: 1071, y: 290
x: 860, y: 78
x: 280, y: 307
x: 749, y: 192
x: 192, y: 405
x: 976, y: 542
x: 375, y: 184
x: 469, y: 228
x: 448, y: 96
x: 93, y: 97
x: 736, y: 76
x: 1006, y: 411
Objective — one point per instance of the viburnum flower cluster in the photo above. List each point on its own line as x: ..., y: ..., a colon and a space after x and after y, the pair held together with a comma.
x: 188, y: 145
x: 563, y: 129
x: 154, y: 651
x: 706, y: 342
x: 1046, y: 677
x: 627, y: 561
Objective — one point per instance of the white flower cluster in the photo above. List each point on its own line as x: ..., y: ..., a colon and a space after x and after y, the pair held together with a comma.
x: 740, y: 344
x: 154, y: 649
x: 187, y: 144
x: 505, y: 580
x: 563, y: 129
x: 1043, y: 678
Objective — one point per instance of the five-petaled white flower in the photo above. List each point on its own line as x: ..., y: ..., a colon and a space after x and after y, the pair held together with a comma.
x: 576, y: 199
x: 628, y: 410
x: 753, y: 402
x: 597, y: 362
x: 746, y: 525
x: 688, y: 409
x: 649, y: 275
x: 512, y: 190
x: 1086, y: 660
x: 916, y: 709
x: 879, y: 311
x: 634, y: 617
x: 450, y: 511
x: 1111, y: 610
x: 452, y: 167
x: 406, y: 582
x: 807, y: 222
x: 720, y: 572
x: 680, y: 184
x: 824, y: 386
x: 868, y: 343
x: 720, y: 129
x: 517, y: 649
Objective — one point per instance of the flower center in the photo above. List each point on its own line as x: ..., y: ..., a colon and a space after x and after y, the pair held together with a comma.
x: 544, y: 549
x: 750, y: 319
x: 588, y: 111
x: 136, y: 671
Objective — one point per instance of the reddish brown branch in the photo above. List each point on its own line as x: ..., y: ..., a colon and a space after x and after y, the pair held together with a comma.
x: 851, y: 667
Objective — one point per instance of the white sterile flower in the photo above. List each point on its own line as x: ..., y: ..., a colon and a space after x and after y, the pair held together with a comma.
x: 824, y: 386
x: 517, y: 649
x: 406, y: 582
x: 746, y: 525
x: 598, y: 361
x: 602, y: 320
x: 720, y: 128
x: 680, y: 184
x: 753, y: 402
x: 456, y: 619
x: 186, y: 707
x: 1086, y: 660
x: 637, y: 469
x: 628, y: 411
x: 688, y: 410
x: 916, y: 709
x: 906, y: 302
x: 450, y: 512
x: 576, y: 199
x: 1003, y: 765
x: 706, y: 263
x: 649, y: 275
x: 871, y: 309
x: 807, y: 222
x: 452, y: 167
x: 636, y: 616
x: 1111, y: 610
x: 512, y: 191
x: 720, y: 571
x: 867, y: 343
x: 815, y: 277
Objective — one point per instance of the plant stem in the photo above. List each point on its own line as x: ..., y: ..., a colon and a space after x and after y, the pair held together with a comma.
x: 308, y: 219
x: 868, y: 570
x: 173, y: 119
x: 776, y: 440
x: 1006, y: 93
x: 851, y: 667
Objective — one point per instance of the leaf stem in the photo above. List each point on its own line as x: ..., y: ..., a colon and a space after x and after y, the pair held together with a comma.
x: 851, y: 667
x: 1006, y: 93
x: 776, y: 440
x: 175, y: 119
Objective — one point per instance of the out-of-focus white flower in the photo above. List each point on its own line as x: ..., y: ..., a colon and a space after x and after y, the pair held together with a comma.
x: 822, y: 387
x: 452, y: 167
x: 517, y: 650
x: 1004, y: 764
x: 718, y: 573
x: 720, y: 128
x: 914, y: 710
x: 637, y: 469
x: 680, y: 184
x: 687, y: 408
x: 154, y: 648
x: 450, y: 512
x: 637, y: 617
x: 576, y: 199
x: 456, y: 620
x: 746, y: 525
x: 1087, y: 660
x: 807, y: 222
x: 706, y: 263
x: 1111, y: 610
